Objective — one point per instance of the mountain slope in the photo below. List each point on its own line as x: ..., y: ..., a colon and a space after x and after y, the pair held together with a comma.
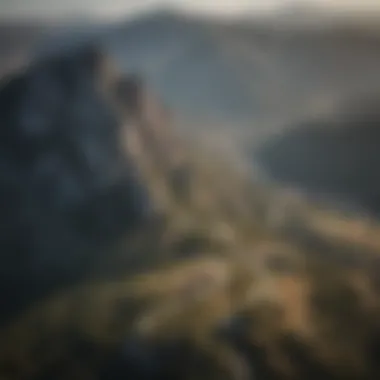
x: 227, y: 279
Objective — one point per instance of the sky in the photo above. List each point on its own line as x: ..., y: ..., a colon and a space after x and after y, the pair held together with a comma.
x: 122, y: 8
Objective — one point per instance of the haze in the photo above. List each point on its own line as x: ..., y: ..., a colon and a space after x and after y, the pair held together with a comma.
x: 122, y: 8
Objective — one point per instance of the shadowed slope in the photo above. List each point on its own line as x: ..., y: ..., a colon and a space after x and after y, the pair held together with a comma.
x: 336, y: 157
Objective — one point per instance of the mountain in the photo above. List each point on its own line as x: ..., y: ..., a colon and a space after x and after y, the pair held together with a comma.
x: 257, y: 87
x: 239, y: 84
x: 227, y: 279
x: 244, y: 72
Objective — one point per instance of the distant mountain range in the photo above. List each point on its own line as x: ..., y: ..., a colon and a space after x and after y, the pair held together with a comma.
x: 252, y: 85
x: 245, y: 72
x: 232, y: 72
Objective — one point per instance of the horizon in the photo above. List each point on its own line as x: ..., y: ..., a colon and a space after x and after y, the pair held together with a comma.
x: 119, y: 9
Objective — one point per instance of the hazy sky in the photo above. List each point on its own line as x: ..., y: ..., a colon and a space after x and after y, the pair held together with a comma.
x: 115, y: 8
